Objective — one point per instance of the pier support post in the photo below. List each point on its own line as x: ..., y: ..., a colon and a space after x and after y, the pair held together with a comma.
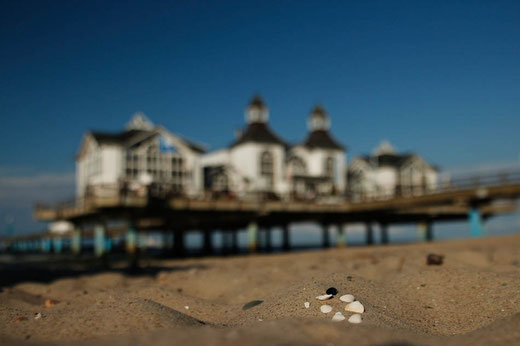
x: 57, y: 244
x: 268, y: 240
x: 178, y: 243
x: 325, y: 235
x: 252, y: 233
x: 475, y: 222
x: 99, y: 241
x: 286, y: 241
x: 132, y: 247
x: 384, y: 233
x: 425, y: 231
x: 369, y: 234
x: 341, y: 240
x: 75, y: 242
x: 234, y: 241
x: 207, y: 242
x: 45, y: 245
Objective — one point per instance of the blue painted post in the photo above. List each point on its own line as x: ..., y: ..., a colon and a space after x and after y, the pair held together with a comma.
x: 57, y: 244
x: 476, y: 225
x: 99, y: 240
x: 46, y: 245
x: 131, y: 240
x: 341, y: 240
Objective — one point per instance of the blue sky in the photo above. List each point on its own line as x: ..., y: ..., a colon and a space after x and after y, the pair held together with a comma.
x: 441, y: 78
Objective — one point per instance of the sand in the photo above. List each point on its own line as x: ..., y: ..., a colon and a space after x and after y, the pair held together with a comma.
x: 472, y: 298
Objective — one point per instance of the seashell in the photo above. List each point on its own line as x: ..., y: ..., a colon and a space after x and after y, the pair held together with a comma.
x: 338, y: 317
x: 187, y: 307
x: 37, y: 316
x: 307, y: 304
x: 355, y: 307
x: 347, y: 298
x: 356, y: 318
x: 324, y: 297
x: 325, y: 309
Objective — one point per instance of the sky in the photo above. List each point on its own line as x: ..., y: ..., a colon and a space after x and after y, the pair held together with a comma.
x: 441, y: 78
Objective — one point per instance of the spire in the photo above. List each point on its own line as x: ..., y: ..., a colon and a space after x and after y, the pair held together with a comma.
x: 257, y: 111
x: 319, y: 120
x: 384, y: 148
x: 139, y: 121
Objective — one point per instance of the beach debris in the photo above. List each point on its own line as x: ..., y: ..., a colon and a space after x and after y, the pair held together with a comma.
x: 356, y: 318
x: 187, y: 307
x: 325, y: 309
x: 434, y: 259
x: 306, y: 304
x: 37, y: 315
x: 332, y: 290
x: 347, y: 298
x: 349, y: 278
x: 252, y: 304
x: 20, y: 319
x: 324, y: 297
x: 355, y: 307
x: 51, y: 302
x: 338, y: 317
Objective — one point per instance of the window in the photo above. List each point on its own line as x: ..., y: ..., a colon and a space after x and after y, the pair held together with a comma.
x: 329, y: 167
x: 266, y: 168
x: 298, y: 166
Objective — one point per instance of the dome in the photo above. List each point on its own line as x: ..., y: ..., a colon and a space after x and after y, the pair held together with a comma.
x: 319, y: 120
x: 257, y: 111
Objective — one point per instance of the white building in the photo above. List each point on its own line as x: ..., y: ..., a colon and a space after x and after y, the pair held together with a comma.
x: 253, y: 163
x: 260, y: 162
x: 317, y: 166
x: 141, y: 157
x: 386, y: 173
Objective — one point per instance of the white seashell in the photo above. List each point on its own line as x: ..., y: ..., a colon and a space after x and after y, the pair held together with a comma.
x: 347, y: 298
x: 325, y: 309
x: 307, y: 304
x: 324, y: 297
x: 187, y: 307
x: 37, y: 315
x: 338, y: 317
x: 355, y: 307
x: 356, y: 318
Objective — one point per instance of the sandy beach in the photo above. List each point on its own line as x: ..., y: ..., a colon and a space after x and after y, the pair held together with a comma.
x: 472, y: 298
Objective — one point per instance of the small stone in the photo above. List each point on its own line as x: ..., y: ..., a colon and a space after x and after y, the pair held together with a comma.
x: 307, y: 304
x: 434, y: 259
x: 355, y: 307
x: 37, y: 316
x: 251, y: 304
x: 20, y: 319
x: 51, y: 302
x: 347, y: 298
x: 324, y: 297
x: 356, y: 318
x: 187, y: 307
x: 338, y: 317
x: 325, y: 309
x: 332, y: 290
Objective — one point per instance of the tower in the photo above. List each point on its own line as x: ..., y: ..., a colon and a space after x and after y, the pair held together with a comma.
x: 257, y: 111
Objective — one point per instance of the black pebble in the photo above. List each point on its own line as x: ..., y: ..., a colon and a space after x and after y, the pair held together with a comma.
x: 252, y: 304
x: 332, y: 291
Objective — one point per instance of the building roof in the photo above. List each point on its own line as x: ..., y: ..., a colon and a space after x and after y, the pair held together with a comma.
x: 125, y: 137
x: 390, y: 160
x: 258, y: 133
x: 322, y: 139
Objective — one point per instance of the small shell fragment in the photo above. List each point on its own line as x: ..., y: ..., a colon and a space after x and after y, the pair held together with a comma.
x: 347, y: 298
x: 355, y: 307
x: 324, y: 297
x: 37, y: 315
x: 187, y: 307
x: 307, y: 304
x: 356, y: 318
x: 51, y: 302
x: 325, y: 309
x: 338, y: 317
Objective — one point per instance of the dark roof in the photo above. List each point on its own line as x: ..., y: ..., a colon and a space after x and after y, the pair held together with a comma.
x: 258, y: 133
x: 257, y: 101
x: 322, y: 139
x: 392, y: 160
x: 318, y: 110
x: 123, y: 138
x: 117, y: 137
